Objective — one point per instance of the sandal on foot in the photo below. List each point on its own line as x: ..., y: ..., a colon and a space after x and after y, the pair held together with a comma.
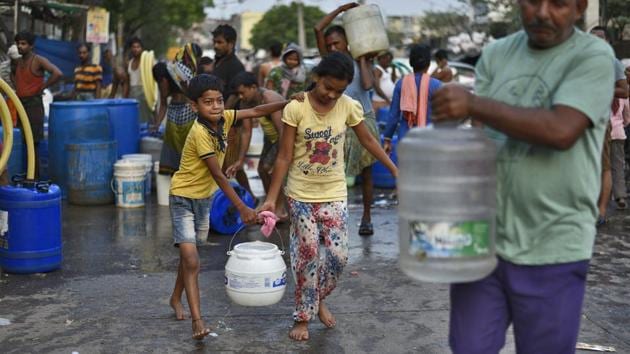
x: 366, y: 229
x: 201, y: 334
x: 601, y: 220
x: 621, y: 203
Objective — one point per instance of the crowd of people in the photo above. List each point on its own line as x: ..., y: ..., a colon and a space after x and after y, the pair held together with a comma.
x: 533, y: 95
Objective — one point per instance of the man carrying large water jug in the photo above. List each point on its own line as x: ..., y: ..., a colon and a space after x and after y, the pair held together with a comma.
x: 534, y: 94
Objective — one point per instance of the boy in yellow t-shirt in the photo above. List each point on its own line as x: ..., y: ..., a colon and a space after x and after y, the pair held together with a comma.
x: 197, y: 179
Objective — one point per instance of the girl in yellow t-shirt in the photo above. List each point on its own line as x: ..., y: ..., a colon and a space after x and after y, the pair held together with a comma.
x: 311, y: 152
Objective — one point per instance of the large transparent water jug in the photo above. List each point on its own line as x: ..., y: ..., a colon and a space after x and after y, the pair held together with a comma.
x: 447, y: 203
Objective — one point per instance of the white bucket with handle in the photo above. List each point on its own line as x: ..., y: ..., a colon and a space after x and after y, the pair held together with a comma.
x: 128, y: 183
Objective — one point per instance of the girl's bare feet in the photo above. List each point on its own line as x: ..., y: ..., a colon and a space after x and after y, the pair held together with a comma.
x: 177, y: 306
x: 326, y: 316
x: 299, y: 331
x: 199, y: 329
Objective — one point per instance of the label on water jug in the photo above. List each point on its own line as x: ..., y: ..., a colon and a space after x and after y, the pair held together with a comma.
x: 4, y: 229
x: 449, y: 239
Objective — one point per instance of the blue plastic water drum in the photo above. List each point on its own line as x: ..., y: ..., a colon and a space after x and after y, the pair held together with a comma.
x: 90, y: 172
x: 72, y: 122
x: 124, y: 116
x: 381, y: 176
x: 43, y: 157
x: 382, y: 116
x: 224, y: 217
x: 30, y: 228
x: 17, y: 159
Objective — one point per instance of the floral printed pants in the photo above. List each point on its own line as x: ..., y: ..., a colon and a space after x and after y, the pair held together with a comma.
x: 316, y: 269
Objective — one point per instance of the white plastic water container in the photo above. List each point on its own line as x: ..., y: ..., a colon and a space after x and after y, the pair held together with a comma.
x: 128, y: 183
x: 163, y: 183
x: 255, y: 274
x: 447, y: 202
x: 147, y: 161
x: 365, y: 30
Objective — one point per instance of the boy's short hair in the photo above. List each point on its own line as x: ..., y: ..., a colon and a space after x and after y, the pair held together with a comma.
x: 226, y: 31
x: 27, y: 36
x: 202, y: 83
x: 133, y: 40
x: 244, y: 78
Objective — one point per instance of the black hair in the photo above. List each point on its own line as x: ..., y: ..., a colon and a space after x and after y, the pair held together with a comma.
x: 337, y: 65
x: 205, y: 61
x: 419, y: 57
x: 603, y: 29
x: 202, y: 83
x: 160, y: 72
x: 276, y: 49
x: 441, y: 54
x: 244, y: 78
x: 228, y: 32
x: 81, y: 45
x: 335, y: 29
x: 133, y: 40
x: 27, y: 36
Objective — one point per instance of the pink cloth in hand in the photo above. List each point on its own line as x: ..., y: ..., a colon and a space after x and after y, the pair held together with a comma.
x: 269, y: 219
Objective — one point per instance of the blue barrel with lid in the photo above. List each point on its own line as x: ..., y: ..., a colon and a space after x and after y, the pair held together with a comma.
x: 224, y: 217
x: 17, y: 160
x: 30, y: 227
x: 90, y: 172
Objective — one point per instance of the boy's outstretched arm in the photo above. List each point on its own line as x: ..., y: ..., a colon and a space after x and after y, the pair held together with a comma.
x: 260, y: 111
x: 370, y: 144
x: 248, y: 215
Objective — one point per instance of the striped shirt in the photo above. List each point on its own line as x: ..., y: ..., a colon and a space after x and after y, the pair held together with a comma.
x: 86, y: 77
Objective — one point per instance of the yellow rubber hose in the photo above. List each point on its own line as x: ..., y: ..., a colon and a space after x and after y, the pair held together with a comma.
x: 7, y: 124
x: 149, y: 86
x: 26, y: 129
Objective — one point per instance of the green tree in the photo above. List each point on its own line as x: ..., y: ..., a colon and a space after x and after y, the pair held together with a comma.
x: 280, y: 23
x: 154, y: 19
x: 439, y: 24
x: 617, y: 15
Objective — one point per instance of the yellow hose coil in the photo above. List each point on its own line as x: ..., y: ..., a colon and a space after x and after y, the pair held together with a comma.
x: 7, y: 123
x: 26, y: 129
x: 147, y: 59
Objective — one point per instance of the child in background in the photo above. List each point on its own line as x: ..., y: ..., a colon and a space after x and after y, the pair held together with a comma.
x: 198, y: 177
x: 312, y: 152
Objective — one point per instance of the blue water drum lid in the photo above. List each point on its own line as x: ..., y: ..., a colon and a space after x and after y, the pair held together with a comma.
x: 224, y: 217
x: 116, y: 101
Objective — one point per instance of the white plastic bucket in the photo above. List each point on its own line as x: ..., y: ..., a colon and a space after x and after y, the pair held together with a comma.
x: 128, y: 183
x: 163, y: 183
x: 147, y: 161
x: 255, y: 274
x: 365, y: 30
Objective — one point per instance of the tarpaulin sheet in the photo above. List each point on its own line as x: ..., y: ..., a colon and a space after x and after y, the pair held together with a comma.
x: 61, y: 53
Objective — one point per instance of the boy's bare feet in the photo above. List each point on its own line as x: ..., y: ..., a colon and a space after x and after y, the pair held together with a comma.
x: 199, y: 329
x: 299, y: 331
x: 177, y: 306
x: 326, y: 316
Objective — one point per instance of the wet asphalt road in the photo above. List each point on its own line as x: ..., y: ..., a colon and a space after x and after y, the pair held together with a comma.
x: 112, y: 294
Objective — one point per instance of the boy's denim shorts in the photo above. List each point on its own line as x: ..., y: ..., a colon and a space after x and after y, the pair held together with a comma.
x: 190, y: 218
